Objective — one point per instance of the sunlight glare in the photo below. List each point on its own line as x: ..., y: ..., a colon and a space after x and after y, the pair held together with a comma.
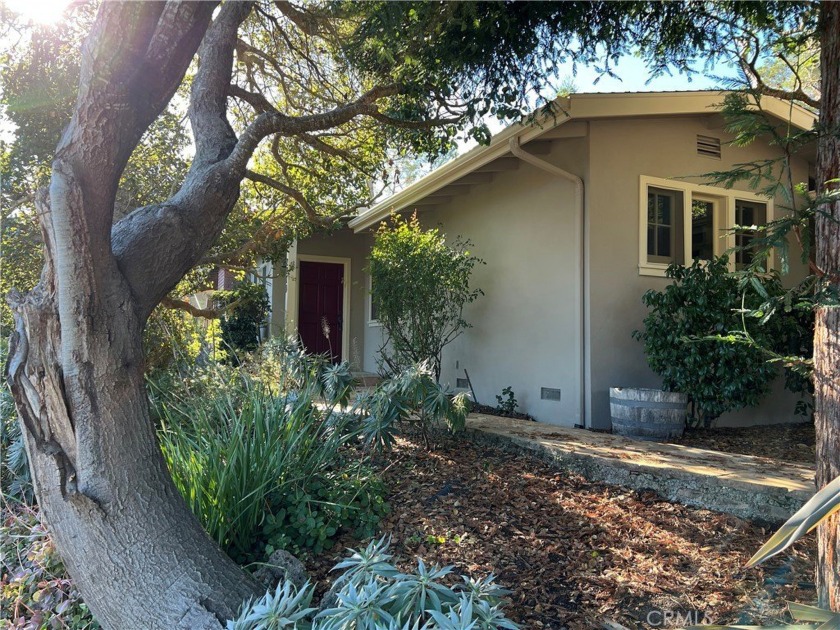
x: 39, y: 11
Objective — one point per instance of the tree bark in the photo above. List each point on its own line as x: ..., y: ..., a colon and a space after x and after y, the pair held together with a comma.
x: 827, y: 329
x: 76, y: 367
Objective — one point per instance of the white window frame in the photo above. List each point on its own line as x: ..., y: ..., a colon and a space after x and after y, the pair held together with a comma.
x: 373, y: 323
x: 724, y: 196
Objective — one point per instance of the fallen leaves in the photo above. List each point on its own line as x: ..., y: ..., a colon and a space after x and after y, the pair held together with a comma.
x: 576, y: 554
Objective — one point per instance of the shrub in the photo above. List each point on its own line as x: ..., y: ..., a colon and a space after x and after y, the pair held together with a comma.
x: 410, y: 397
x: 249, y: 306
x: 35, y: 590
x: 506, y: 403
x: 373, y: 593
x: 683, y: 338
x: 171, y: 337
x: 419, y: 286
x: 252, y: 464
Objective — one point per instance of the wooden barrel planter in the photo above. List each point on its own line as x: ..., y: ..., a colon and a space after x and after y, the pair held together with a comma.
x: 647, y: 414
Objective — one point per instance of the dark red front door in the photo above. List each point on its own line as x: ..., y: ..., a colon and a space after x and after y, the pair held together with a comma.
x: 320, y: 307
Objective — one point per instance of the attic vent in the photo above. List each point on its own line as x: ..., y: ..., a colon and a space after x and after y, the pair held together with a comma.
x: 549, y: 393
x: 708, y: 146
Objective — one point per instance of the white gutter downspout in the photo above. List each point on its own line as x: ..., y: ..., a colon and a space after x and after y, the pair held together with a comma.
x: 580, y: 227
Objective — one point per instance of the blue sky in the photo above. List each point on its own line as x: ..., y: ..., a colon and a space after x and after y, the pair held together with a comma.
x: 633, y: 75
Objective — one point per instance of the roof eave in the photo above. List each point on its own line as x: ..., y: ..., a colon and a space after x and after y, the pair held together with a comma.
x: 580, y: 106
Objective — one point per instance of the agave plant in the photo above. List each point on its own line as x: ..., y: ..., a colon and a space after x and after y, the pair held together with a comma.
x: 285, y: 608
x: 371, y: 594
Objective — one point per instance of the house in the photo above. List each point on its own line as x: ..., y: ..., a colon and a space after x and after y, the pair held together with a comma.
x: 559, y: 212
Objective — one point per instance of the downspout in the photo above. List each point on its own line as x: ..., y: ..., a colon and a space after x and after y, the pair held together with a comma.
x: 580, y: 227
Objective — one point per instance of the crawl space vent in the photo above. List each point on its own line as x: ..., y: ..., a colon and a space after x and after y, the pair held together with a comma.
x: 708, y: 146
x: 549, y: 393
x: 461, y: 383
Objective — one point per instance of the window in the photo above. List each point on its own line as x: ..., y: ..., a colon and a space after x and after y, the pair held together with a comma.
x: 747, y: 214
x: 664, y: 207
x: 681, y: 222
x: 703, y: 233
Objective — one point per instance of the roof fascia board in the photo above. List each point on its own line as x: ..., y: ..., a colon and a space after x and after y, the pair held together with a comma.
x: 580, y: 107
x: 459, y: 167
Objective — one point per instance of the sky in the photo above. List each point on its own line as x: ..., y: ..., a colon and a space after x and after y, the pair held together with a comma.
x: 632, y: 75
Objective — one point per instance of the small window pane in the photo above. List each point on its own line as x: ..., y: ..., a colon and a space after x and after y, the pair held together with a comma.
x: 664, y: 217
x: 664, y: 225
x: 663, y: 241
x: 702, y: 229
x: 747, y: 213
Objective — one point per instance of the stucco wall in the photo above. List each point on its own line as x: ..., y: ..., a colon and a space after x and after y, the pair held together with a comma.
x: 526, y: 328
x: 622, y: 151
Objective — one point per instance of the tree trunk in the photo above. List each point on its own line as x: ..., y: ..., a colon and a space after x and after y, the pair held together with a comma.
x: 76, y: 367
x: 827, y: 331
x: 136, y: 553
x: 138, y: 556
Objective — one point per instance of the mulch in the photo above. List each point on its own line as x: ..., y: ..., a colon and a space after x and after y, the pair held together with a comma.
x: 577, y: 554
x: 785, y: 442
x: 495, y: 411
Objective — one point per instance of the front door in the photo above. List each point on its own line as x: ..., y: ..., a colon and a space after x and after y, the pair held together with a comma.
x: 321, y: 307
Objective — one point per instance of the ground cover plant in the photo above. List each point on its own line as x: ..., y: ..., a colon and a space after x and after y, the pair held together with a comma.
x: 266, y: 470
x: 372, y: 593
x: 35, y: 590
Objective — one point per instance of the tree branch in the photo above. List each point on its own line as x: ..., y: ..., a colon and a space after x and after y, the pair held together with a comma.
x: 206, y: 313
x: 259, y: 102
x: 246, y: 248
x: 214, y: 137
x: 295, y: 194
x: 156, y: 245
x: 269, y: 123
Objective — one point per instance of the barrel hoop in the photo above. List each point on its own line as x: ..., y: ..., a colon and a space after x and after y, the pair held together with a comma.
x: 646, y: 404
x: 646, y: 426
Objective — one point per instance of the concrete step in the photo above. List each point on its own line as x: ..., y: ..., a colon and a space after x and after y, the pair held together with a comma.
x: 753, y: 488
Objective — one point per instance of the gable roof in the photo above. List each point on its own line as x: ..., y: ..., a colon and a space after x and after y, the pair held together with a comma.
x: 579, y: 107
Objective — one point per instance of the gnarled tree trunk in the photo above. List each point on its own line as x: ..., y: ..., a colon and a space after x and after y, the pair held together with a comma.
x: 136, y: 553
x: 827, y: 332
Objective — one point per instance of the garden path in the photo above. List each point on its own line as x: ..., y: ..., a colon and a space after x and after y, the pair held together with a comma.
x: 755, y: 488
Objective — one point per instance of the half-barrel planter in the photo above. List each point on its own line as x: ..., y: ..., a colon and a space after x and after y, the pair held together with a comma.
x: 647, y: 414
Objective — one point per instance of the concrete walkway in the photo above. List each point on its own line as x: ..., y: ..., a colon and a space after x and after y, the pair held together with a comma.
x: 753, y: 488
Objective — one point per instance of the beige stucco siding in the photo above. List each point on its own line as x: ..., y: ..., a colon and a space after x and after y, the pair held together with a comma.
x: 526, y: 328
x: 536, y: 315
x: 621, y: 152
